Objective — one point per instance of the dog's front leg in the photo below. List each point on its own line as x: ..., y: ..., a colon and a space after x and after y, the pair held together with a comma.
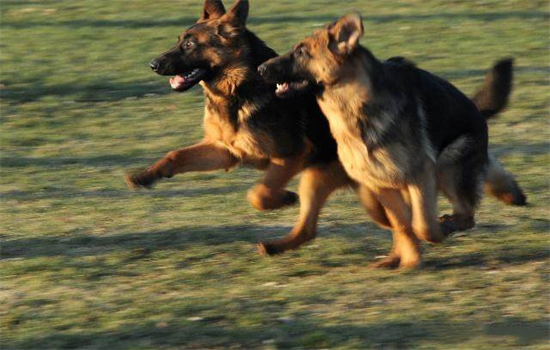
x: 405, y: 252
x: 204, y: 156
x: 423, y: 197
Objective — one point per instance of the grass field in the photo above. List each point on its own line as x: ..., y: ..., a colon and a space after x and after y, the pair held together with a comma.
x: 87, y: 264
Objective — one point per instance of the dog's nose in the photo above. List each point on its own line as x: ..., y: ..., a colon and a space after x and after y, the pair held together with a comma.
x: 155, y: 65
x: 261, y: 69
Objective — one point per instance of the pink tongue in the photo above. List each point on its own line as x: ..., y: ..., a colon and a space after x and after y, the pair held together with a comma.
x: 177, y: 81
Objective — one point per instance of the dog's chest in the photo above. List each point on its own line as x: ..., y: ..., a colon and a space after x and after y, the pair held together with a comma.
x: 239, y: 138
x: 383, y: 166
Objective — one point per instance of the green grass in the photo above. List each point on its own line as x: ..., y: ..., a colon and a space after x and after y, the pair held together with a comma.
x: 88, y: 264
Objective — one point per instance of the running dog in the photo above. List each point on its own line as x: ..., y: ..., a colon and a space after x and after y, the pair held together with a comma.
x: 402, y: 133
x: 246, y: 124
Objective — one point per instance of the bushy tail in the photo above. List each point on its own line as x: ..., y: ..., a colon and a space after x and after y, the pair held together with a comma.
x: 495, y: 92
x: 490, y: 100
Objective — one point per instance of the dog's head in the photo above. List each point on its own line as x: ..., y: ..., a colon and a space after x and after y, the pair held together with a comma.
x: 207, y: 48
x: 317, y: 59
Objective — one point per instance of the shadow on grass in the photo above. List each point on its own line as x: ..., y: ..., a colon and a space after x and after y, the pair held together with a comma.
x: 103, y: 91
x: 500, y: 255
x: 282, y: 19
x: 121, y: 194
x: 108, y: 160
x: 174, y: 239
x: 208, y: 236
x: 302, y: 332
x: 495, y: 257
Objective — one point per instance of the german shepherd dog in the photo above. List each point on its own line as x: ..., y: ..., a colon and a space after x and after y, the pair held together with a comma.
x: 247, y: 124
x: 402, y: 133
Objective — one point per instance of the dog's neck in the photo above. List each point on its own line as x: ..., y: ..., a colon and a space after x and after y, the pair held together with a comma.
x: 227, y: 83
x: 236, y: 95
x: 361, y: 65
x: 360, y: 98
x: 358, y: 80
x: 238, y: 90
x: 242, y: 73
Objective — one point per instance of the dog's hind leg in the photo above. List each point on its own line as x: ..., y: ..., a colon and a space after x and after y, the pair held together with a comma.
x: 270, y: 193
x: 460, y: 171
x: 316, y: 185
x: 501, y: 184
x: 204, y: 156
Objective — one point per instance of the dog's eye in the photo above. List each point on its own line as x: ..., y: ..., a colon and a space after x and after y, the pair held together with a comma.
x: 188, y: 44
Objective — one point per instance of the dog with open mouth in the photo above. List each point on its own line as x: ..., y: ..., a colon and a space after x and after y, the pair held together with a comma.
x: 402, y: 133
x: 246, y: 124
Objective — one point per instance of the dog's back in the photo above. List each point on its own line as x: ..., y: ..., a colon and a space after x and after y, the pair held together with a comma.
x: 448, y: 112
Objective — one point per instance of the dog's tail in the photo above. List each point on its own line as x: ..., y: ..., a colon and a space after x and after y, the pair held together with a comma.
x: 490, y: 100
x: 493, y: 96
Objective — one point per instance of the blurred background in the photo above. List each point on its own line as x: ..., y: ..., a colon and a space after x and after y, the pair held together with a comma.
x: 87, y: 264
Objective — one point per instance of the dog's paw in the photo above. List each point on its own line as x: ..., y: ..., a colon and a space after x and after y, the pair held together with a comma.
x: 139, y: 180
x: 263, y: 199
x: 290, y: 198
x: 268, y: 249
x: 390, y: 262
x: 453, y: 223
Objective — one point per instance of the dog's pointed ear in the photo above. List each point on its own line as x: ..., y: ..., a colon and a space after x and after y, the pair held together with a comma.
x: 238, y: 14
x: 345, y: 33
x: 212, y: 9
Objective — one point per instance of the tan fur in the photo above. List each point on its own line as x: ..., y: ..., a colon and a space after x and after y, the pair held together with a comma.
x: 204, y: 156
x: 246, y: 144
x: 409, y: 197
x: 230, y: 137
x: 501, y: 184
x: 316, y: 185
x: 270, y: 193
x: 373, y: 206
x: 405, y: 252
x: 423, y: 201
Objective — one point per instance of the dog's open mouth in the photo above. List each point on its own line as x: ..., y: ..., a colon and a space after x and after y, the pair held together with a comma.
x: 188, y: 79
x: 292, y: 88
